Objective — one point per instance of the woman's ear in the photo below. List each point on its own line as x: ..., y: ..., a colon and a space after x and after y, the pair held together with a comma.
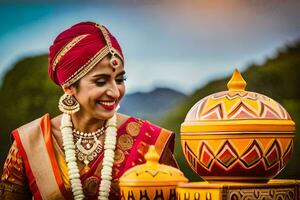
x: 68, y: 90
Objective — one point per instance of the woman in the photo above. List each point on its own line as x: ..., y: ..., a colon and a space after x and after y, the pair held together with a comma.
x: 81, y: 153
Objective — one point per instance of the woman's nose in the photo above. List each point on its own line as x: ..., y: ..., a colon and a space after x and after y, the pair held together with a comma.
x: 113, y: 91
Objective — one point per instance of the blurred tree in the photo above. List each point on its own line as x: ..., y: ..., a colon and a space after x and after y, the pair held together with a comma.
x: 26, y: 94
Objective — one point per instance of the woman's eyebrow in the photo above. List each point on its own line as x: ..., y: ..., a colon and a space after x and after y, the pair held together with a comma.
x: 101, y: 76
x: 107, y: 75
x: 121, y: 73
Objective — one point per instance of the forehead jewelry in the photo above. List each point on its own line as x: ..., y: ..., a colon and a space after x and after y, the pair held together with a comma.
x: 114, y: 61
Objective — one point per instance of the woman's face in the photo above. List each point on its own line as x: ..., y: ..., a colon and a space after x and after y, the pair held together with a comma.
x: 100, y: 90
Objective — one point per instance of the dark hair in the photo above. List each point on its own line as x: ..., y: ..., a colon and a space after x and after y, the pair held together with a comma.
x: 76, y: 84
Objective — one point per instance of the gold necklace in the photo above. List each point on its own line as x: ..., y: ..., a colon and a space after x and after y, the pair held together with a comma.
x: 88, y: 145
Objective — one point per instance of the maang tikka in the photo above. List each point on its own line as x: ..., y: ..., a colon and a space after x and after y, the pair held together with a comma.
x: 68, y: 104
x: 114, y: 62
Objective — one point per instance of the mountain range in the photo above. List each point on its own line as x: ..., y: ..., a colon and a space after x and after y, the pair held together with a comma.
x: 151, y: 105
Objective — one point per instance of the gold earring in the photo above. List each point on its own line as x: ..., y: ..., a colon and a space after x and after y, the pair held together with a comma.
x: 68, y: 104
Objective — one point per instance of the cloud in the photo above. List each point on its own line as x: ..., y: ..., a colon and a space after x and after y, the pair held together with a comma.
x: 172, y: 38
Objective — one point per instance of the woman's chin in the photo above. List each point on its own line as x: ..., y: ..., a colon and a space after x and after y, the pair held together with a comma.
x: 102, y: 113
x: 106, y: 115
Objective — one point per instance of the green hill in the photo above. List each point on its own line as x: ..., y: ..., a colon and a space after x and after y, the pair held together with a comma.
x: 26, y: 94
x: 278, y: 78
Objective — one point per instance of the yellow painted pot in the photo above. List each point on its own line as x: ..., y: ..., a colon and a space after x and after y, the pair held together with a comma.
x: 237, y: 135
x: 151, y: 180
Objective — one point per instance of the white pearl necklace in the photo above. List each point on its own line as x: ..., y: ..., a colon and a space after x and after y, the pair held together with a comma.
x: 84, y: 135
x: 109, y: 154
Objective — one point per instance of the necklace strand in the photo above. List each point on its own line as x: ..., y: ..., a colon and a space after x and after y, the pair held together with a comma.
x: 84, y: 135
x: 109, y: 153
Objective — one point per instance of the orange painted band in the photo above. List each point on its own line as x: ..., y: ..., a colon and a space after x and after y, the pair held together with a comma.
x: 238, y: 126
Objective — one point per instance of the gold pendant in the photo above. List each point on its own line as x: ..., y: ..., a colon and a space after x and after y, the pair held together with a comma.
x: 86, y: 168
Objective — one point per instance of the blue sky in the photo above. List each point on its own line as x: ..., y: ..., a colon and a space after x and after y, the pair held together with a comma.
x: 178, y: 44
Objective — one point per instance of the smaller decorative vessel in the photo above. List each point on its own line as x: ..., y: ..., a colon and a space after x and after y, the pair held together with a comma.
x: 151, y: 180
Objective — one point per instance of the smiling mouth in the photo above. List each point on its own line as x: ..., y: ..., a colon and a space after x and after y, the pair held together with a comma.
x: 107, y: 105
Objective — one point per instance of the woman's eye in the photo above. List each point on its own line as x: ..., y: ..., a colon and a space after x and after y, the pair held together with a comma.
x: 121, y: 80
x: 100, y: 82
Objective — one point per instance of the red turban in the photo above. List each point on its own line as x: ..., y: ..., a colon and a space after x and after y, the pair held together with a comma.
x: 78, y: 49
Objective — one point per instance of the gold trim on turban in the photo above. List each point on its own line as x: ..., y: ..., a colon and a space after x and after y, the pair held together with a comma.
x: 88, y: 66
x: 65, y: 49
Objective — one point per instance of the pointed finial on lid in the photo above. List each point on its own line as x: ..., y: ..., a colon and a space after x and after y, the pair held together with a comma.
x: 237, y: 82
x: 152, y: 156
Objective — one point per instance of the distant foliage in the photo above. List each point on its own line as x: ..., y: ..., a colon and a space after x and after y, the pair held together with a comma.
x: 278, y: 78
x: 26, y: 94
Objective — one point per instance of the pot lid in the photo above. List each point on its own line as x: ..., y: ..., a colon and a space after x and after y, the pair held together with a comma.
x: 152, y: 173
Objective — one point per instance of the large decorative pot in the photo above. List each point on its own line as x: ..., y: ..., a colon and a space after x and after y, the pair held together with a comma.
x: 237, y: 135
x: 151, y: 180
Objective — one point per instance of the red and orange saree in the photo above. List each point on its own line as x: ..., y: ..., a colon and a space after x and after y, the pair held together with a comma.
x: 38, y: 160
